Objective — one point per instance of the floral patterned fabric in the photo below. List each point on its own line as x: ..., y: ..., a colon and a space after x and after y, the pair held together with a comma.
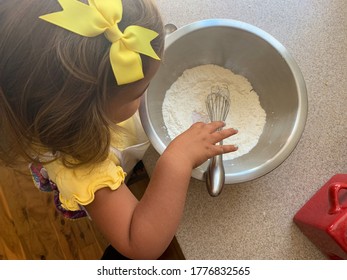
x: 43, y: 183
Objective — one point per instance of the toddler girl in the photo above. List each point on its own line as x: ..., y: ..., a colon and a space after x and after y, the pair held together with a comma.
x: 71, y: 77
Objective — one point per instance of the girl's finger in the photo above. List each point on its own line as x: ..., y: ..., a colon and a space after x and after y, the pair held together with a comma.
x: 223, y: 149
x: 229, y: 148
x: 222, y: 134
x: 213, y: 126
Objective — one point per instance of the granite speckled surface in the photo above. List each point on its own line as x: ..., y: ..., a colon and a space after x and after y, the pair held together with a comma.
x: 253, y: 220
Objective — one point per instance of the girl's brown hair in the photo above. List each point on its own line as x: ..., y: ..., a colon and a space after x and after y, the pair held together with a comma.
x: 54, y: 84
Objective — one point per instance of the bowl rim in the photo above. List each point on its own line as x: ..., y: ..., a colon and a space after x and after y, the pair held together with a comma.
x: 300, y: 121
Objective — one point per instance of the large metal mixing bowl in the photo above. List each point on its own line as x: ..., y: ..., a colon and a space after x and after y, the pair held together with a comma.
x: 253, y: 53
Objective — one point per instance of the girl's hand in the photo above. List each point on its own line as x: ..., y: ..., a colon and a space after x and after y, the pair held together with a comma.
x: 197, y: 144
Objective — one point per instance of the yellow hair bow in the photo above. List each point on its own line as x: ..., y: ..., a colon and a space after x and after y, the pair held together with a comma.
x: 103, y: 16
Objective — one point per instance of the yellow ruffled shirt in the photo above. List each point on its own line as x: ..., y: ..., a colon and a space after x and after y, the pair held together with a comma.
x: 77, y: 186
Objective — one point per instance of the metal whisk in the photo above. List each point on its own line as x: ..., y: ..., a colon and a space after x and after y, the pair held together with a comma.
x: 217, y: 105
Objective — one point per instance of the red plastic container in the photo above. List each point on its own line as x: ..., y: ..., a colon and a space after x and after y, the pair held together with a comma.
x: 323, y: 219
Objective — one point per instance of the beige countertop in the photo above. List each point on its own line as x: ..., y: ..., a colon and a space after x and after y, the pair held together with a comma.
x: 253, y: 220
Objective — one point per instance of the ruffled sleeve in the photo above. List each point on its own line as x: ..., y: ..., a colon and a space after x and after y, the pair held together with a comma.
x: 78, y: 186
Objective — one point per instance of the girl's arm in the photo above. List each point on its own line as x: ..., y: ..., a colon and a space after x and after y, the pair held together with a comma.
x: 143, y: 229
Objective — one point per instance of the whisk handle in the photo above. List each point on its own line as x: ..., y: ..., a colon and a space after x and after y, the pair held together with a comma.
x: 215, y: 176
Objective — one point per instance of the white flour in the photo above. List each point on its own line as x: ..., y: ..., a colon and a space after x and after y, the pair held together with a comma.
x: 184, y: 104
